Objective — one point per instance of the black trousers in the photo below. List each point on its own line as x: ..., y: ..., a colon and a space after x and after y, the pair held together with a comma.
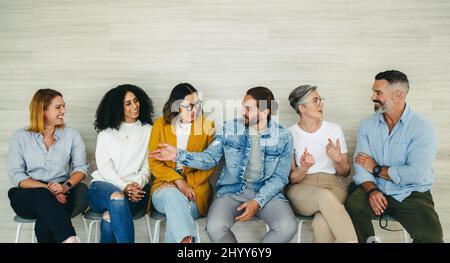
x: 53, y: 222
x: 416, y: 214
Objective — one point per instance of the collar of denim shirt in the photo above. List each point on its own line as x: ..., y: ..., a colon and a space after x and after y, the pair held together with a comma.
x: 272, y: 127
x: 56, y: 135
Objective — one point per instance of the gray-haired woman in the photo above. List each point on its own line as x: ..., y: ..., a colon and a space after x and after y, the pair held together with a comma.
x: 320, y: 161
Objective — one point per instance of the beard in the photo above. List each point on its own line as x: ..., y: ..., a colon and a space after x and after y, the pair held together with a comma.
x: 379, y: 107
x: 250, y: 122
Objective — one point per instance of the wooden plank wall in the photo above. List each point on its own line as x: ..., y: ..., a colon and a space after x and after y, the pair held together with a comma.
x: 83, y: 48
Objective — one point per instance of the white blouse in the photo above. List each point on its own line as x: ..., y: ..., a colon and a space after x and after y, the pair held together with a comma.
x: 121, y: 155
x: 183, y: 131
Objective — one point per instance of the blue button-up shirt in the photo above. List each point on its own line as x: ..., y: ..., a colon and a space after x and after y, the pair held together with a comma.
x: 408, y: 151
x: 29, y: 157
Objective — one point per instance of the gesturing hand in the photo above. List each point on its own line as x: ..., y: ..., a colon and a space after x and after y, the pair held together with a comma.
x: 334, y: 150
x: 165, y: 152
x: 307, y: 160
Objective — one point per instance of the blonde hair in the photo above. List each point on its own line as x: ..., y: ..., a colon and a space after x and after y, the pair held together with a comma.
x: 39, y: 103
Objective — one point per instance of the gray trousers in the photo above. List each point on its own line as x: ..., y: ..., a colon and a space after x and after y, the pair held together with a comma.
x: 277, y: 214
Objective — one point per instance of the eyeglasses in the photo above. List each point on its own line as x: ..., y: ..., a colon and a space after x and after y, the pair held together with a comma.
x: 316, y: 100
x: 191, y: 106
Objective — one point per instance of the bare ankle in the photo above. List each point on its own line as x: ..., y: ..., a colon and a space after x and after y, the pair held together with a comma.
x: 72, y: 239
x: 187, y: 240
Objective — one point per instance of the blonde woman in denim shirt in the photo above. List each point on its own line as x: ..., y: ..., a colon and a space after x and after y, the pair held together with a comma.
x: 39, y: 158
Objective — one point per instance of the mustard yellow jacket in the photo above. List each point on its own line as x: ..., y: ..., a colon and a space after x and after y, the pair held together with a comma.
x: 202, y: 134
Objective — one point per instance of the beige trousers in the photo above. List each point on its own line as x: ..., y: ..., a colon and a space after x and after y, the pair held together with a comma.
x: 323, y: 195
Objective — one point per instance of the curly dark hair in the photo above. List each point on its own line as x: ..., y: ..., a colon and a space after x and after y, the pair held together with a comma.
x: 110, y: 110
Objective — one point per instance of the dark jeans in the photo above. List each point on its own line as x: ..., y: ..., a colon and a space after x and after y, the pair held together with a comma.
x: 121, y: 212
x: 53, y: 222
x: 416, y: 214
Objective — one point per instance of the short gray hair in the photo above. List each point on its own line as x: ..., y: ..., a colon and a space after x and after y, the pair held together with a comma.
x: 299, y: 94
x: 396, y: 80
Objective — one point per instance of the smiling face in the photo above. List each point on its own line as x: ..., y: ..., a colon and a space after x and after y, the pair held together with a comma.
x: 54, y: 114
x: 312, y: 107
x: 131, y: 107
x: 382, y: 96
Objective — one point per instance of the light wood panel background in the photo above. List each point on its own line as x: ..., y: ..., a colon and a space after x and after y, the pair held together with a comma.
x: 83, y: 48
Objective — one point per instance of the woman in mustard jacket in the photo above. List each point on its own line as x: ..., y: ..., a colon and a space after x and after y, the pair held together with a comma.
x: 181, y: 193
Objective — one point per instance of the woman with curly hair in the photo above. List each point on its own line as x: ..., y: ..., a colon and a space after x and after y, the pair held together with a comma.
x: 120, y: 187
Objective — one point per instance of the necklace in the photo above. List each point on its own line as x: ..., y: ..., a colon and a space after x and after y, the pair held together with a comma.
x: 128, y: 128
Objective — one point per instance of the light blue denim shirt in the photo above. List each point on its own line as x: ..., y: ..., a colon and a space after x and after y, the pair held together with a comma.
x: 28, y: 156
x: 408, y: 151
x: 233, y: 142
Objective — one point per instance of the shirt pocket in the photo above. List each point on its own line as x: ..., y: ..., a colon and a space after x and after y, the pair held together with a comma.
x: 233, y: 155
x: 272, y: 150
x: 271, y: 159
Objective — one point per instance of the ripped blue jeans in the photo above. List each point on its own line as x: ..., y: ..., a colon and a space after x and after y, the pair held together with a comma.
x: 120, y: 229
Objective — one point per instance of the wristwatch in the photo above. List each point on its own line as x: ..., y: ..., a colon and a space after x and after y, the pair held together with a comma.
x: 376, y: 170
x: 67, y: 185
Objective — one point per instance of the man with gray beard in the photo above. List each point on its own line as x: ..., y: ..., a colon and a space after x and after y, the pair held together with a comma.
x: 393, y: 161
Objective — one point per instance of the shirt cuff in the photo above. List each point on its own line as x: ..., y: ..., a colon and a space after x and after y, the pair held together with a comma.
x: 19, y: 178
x: 181, y: 156
x: 122, y: 185
x: 79, y: 170
x: 261, y: 201
x: 394, y: 175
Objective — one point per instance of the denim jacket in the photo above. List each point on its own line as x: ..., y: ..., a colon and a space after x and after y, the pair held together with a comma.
x: 232, y: 141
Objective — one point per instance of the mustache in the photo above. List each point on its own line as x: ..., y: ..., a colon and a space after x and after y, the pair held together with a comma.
x: 377, y: 101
